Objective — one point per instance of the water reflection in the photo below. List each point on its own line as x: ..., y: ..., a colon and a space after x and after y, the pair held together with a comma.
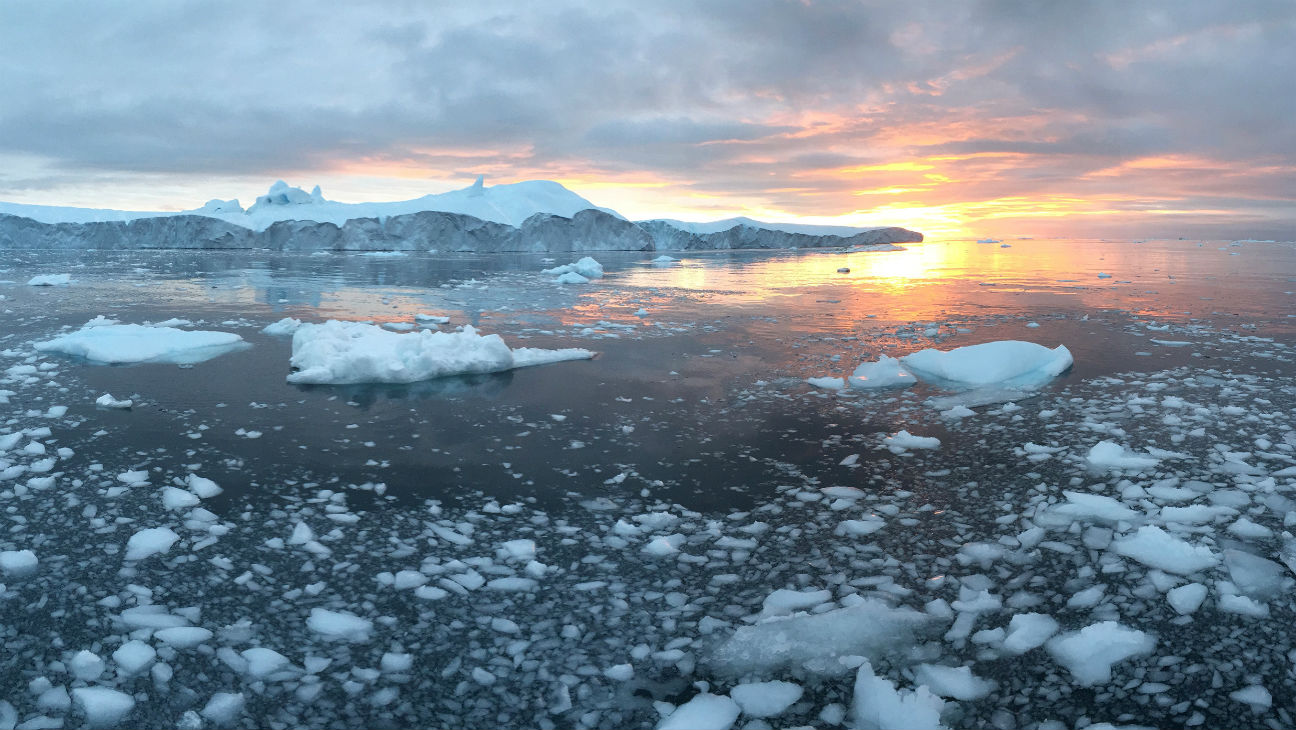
x: 488, y: 386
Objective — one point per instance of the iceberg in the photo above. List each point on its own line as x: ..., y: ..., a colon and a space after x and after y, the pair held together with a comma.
x: 346, y: 353
x: 587, y: 268
x: 885, y: 373
x: 115, y: 344
x: 50, y: 280
x: 1001, y: 363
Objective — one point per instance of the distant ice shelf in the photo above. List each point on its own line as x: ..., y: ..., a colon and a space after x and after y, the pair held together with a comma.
x: 528, y: 216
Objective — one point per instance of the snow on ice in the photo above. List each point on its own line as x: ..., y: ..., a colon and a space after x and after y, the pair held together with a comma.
x: 353, y: 352
x: 115, y: 344
x: 1004, y: 363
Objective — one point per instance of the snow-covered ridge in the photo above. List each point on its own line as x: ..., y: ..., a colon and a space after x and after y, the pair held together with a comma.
x: 530, y: 216
x: 703, y: 228
x: 508, y: 204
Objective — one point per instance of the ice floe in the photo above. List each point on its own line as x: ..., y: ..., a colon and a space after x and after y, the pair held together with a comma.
x: 353, y: 352
x: 115, y: 344
x: 1002, y: 363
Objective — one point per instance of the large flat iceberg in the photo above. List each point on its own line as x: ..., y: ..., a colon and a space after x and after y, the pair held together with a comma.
x: 347, y: 353
x: 115, y: 344
x: 1006, y: 362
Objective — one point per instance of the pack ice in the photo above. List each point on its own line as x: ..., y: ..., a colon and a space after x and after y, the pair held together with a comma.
x: 339, y: 353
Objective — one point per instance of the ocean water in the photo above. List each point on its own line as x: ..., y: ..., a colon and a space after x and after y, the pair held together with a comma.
x: 669, y: 486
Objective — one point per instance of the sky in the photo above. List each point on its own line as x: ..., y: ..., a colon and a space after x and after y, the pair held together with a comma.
x: 959, y: 119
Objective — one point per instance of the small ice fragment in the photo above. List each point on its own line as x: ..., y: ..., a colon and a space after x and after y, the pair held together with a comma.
x: 107, y: 401
x: 704, y: 712
x: 1090, y: 652
x: 766, y: 699
x: 18, y: 562
x: 1186, y: 599
x: 103, y: 706
x: 151, y: 541
x: 954, y: 682
x: 878, y: 704
x: 339, y: 625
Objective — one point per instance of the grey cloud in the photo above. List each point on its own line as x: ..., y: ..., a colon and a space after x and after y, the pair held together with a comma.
x: 704, y: 93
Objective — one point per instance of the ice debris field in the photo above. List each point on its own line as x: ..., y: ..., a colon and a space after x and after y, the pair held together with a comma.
x: 967, y: 534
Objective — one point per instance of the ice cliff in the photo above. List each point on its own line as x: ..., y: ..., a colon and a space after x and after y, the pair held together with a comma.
x: 533, y: 216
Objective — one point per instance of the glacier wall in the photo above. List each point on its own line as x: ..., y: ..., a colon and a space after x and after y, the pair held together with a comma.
x: 587, y: 230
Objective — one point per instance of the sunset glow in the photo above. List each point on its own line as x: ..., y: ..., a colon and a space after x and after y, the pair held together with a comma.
x: 961, y: 122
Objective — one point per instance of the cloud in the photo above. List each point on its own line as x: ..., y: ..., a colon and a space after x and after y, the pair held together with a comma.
x: 765, y: 103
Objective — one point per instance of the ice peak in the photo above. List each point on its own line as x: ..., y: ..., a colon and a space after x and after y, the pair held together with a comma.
x: 478, y: 188
x: 281, y: 193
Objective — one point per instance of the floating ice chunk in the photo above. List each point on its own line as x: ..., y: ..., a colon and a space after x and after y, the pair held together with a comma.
x: 827, y: 383
x: 1186, y: 599
x: 133, y: 477
x: 1158, y: 549
x: 182, y: 637
x: 766, y: 699
x: 262, y: 662
x: 512, y: 583
x: 1083, y: 506
x: 868, y: 628
x: 131, y: 343
x: 339, y: 625
x: 784, y: 602
x: 958, y: 412
x: 353, y: 352
x: 396, y: 662
x: 619, y: 672
x: 1111, y: 455
x: 407, y: 579
x: 860, y: 528
x: 50, y: 280
x: 87, y: 666
x: 224, y: 708
x: 1253, y: 575
x: 664, y: 545
x: 1027, y: 631
x: 663, y: 260
x: 955, y: 682
x: 1004, y: 363
x: 1249, y: 530
x: 521, y: 549
x: 1255, y: 695
x: 204, y: 488
x: 1090, y: 652
x: 704, y: 712
x: 103, y: 706
x: 885, y: 373
x: 571, y: 277
x: 285, y: 326
x: 134, y: 656
x: 431, y: 319
x: 1087, y: 598
x: 587, y: 268
x: 107, y: 401
x: 173, y: 498
x: 18, y: 562
x: 1242, y: 605
x: 878, y: 704
x: 151, y: 541
x: 903, y: 441
x: 151, y: 616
